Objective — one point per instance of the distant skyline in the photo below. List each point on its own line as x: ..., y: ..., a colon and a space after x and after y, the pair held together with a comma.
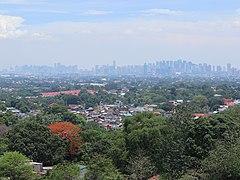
x: 114, y: 64
x: 89, y: 32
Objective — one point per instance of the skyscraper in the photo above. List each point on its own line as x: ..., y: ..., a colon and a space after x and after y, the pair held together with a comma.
x: 229, y: 67
x: 114, y: 64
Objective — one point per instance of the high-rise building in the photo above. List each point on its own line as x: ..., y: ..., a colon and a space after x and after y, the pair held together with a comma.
x: 229, y: 67
x: 114, y: 64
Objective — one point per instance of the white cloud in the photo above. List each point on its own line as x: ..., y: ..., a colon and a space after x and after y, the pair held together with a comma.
x: 153, y: 12
x: 10, y: 27
x: 96, y: 12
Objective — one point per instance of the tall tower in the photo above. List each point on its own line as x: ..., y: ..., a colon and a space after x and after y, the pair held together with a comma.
x: 114, y: 64
x: 229, y: 67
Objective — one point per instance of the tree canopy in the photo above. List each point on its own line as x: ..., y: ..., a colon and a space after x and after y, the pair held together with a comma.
x: 37, y: 142
x: 13, y: 165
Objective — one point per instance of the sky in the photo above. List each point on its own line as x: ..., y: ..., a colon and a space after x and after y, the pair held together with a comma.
x: 90, y: 32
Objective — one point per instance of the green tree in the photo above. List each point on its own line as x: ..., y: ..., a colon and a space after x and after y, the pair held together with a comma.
x: 13, y: 166
x: 56, y: 108
x: 37, y: 142
x: 66, y: 171
x: 75, y: 119
x: 2, y: 107
x: 46, y: 119
x: 223, y: 162
x: 3, y: 145
x: 140, y: 167
x: 22, y: 104
x: 215, y: 102
x: 8, y: 118
x: 146, y: 133
x: 101, y: 168
x: 200, y: 99
x: 71, y: 99
x: 3, y: 130
x: 3, y: 140
x: 118, y: 151
x: 190, y: 140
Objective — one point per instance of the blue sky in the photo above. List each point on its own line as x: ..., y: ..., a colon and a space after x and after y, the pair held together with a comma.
x: 44, y: 11
x: 128, y: 31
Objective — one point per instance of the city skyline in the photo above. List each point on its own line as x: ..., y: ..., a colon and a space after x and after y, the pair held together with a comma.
x: 162, y: 68
x: 132, y: 32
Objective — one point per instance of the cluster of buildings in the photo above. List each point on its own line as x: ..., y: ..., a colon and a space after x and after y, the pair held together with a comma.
x: 168, y: 68
x: 159, y: 68
x: 56, y: 69
x: 107, y: 116
x: 15, y: 111
x: 227, y: 103
x: 110, y: 116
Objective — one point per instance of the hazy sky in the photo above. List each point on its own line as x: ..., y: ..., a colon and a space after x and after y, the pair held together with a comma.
x: 89, y: 32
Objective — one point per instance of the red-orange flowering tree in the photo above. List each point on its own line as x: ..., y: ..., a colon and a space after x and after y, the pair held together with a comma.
x: 69, y: 132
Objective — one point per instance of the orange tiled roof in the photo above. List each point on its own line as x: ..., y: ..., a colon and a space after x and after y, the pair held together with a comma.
x: 52, y: 94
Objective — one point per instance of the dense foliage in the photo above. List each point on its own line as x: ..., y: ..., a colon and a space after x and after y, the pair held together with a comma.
x: 36, y: 142
x: 170, y: 144
x: 13, y: 166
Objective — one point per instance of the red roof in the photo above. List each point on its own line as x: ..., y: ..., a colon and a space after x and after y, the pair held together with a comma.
x: 154, y: 178
x: 52, y: 94
x: 91, y: 92
x: 230, y: 103
x: 227, y: 100
x: 108, y: 125
x: 200, y: 115
x: 157, y: 112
